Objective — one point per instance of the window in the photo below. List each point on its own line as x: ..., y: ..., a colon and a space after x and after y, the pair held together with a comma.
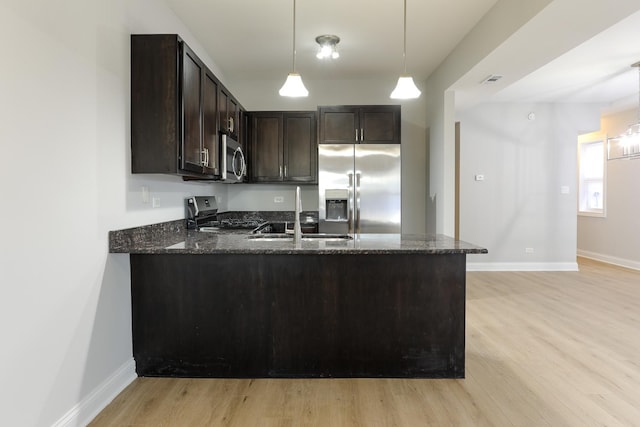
x: 591, y: 179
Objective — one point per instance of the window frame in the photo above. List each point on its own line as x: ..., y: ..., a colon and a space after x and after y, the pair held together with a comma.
x: 598, y: 213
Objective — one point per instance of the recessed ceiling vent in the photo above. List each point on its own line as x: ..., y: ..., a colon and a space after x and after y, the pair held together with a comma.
x: 493, y: 78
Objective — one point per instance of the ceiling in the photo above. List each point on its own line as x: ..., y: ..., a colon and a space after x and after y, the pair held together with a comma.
x: 252, y: 40
x: 598, y: 70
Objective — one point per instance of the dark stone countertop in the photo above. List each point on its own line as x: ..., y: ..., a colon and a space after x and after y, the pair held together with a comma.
x: 173, y: 238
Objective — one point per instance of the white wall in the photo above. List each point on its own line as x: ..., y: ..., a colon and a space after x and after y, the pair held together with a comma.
x: 263, y: 95
x: 501, y: 22
x: 513, y: 39
x: 64, y: 128
x: 616, y: 237
x: 525, y: 164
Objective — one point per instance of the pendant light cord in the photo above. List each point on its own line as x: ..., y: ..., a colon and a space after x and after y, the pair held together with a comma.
x: 294, y: 36
x: 404, y: 49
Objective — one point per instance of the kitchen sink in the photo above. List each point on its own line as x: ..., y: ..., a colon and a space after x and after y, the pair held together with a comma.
x: 283, y: 237
x: 282, y: 227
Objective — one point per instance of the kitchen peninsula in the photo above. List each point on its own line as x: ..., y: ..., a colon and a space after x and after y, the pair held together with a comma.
x: 223, y: 305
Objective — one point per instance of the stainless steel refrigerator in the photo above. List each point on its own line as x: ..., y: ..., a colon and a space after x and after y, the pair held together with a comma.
x: 359, y: 188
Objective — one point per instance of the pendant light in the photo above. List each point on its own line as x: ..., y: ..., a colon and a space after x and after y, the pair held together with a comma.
x: 293, y: 86
x: 630, y: 140
x: 406, y: 88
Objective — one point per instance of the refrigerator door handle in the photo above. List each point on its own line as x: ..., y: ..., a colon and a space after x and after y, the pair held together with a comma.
x: 357, y: 202
x: 350, y: 201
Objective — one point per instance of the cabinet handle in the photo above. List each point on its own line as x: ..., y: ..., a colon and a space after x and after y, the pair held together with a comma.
x: 204, y: 157
x: 285, y: 171
x: 280, y: 171
x: 361, y: 134
x: 230, y: 124
x: 356, y: 135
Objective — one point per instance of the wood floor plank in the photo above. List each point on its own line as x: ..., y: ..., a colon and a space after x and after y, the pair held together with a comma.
x: 543, y: 349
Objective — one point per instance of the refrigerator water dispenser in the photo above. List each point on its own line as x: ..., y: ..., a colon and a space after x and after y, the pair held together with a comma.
x: 337, y: 204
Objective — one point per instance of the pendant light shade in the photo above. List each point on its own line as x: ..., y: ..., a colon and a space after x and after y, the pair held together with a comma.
x: 406, y: 88
x: 293, y: 86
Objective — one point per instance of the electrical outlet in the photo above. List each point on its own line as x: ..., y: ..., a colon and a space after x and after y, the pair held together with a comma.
x: 528, y: 250
x: 479, y: 177
x: 145, y: 194
x: 278, y: 199
x: 155, y: 202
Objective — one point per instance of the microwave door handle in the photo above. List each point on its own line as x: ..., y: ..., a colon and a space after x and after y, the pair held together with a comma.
x: 233, y: 163
x: 238, y: 154
x: 244, y: 164
x: 223, y: 151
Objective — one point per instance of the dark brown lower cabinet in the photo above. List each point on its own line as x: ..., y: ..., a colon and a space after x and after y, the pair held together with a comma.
x: 301, y: 315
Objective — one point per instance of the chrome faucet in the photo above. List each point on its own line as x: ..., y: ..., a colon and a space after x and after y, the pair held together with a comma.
x: 297, y: 230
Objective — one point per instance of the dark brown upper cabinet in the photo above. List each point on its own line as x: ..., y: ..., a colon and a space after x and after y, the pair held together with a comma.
x: 175, y: 117
x: 283, y: 147
x: 362, y: 124
x: 229, y: 111
x: 200, y: 153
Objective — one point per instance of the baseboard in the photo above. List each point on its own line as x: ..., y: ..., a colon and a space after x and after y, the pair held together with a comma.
x: 522, y: 266
x: 627, y: 263
x: 91, y: 405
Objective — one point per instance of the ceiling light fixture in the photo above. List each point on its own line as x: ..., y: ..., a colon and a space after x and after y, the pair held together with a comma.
x: 293, y: 86
x: 406, y: 88
x: 328, y: 48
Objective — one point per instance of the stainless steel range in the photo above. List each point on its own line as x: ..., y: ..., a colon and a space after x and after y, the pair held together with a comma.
x: 200, y: 211
x: 202, y: 215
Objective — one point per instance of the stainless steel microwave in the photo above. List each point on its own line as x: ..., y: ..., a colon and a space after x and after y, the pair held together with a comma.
x: 234, y: 165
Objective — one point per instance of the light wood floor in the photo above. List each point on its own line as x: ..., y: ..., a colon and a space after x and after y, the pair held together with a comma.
x: 543, y: 349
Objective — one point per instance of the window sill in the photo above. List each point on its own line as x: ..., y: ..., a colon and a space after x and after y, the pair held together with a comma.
x: 592, y: 214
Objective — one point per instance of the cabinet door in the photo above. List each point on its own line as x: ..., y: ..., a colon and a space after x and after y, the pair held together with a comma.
x: 266, y: 147
x: 300, y: 148
x: 229, y: 113
x: 155, y: 107
x: 210, y: 136
x: 338, y: 125
x: 192, y: 72
x: 233, y: 117
x: 380, y: 124
x: 223, y: 113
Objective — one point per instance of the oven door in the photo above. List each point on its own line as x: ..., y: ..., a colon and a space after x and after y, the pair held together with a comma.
x: 234, y: 166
